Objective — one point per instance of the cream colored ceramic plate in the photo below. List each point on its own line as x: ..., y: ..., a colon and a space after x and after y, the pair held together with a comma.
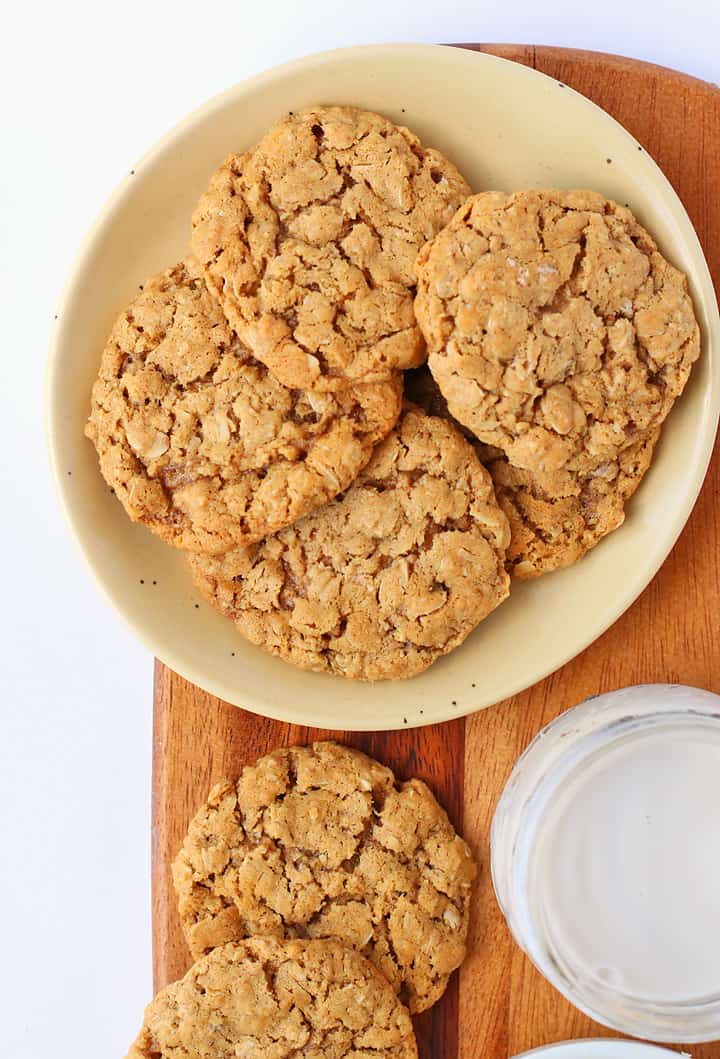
x: 506, y: 127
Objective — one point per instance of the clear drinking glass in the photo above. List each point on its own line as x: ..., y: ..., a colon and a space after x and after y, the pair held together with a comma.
x: 606, y: 859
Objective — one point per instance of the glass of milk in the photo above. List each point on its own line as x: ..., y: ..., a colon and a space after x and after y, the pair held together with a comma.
x: 606, y: 859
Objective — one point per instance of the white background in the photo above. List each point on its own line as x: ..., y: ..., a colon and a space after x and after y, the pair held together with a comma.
x: 85, y: 89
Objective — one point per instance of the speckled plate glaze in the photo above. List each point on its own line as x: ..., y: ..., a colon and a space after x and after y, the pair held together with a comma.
x: 477, y: 109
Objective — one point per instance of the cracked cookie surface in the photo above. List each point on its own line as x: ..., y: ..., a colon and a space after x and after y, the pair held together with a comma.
x: 556, y: 518
x: 199, y: 440
x: 384, y: 580
x: 556, y: 330
x: 270, y: 999
x: 322, y: 841
x: 309, y: 241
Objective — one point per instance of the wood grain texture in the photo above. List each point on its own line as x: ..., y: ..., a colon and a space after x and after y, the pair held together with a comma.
x: 499, y: 1005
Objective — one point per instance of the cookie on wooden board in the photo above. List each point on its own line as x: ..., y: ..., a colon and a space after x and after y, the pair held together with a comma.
x: 309, y: 242
x: 270, y: 999
x: 200, y: 442
x: 384, y: 580
x: 322, y: 841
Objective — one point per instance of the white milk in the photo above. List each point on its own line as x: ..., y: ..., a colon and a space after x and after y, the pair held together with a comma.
x: 606, y: 859
x: 628, y: 867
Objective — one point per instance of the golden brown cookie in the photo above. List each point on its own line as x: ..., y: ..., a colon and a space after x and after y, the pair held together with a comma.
x: 322, y: 841
x: 556, y: 518
x: 200, y: 442
x: 384, y: 580
x: 309, y: 242
x: 555, y: 328
x: 270, y: 999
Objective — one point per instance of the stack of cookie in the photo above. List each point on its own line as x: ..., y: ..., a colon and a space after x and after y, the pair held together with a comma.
x: 249, y: 405
x: 323, y: 900
x: 559, y: 335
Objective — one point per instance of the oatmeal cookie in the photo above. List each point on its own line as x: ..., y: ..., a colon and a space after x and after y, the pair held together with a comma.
x: 270, y: 999
x: 384, y: 580
x: 322, y: 841
x: 199, y: 440
x: 555, y: 328
x: 309, y: 242
x: 556, y: 518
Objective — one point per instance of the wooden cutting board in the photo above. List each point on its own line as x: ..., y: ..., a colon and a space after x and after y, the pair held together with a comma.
x: 498, y: 1005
